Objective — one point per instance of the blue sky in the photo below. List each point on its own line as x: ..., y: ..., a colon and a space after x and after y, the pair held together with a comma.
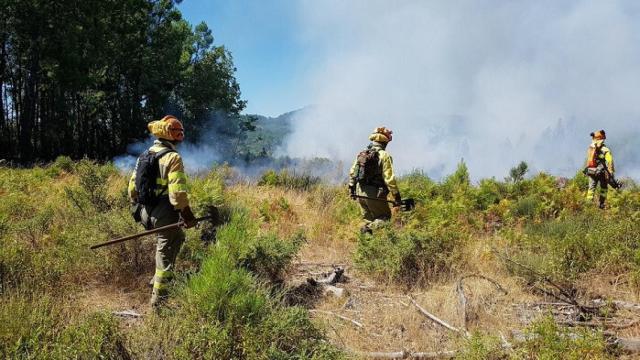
x: 271, y: 58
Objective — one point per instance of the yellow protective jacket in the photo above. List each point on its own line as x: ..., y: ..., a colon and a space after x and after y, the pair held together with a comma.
x: 386, y: 163
x: 171, y: 180
x: 603, y: 156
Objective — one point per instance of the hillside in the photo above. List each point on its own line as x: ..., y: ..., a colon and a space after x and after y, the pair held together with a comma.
x: 529, y: 259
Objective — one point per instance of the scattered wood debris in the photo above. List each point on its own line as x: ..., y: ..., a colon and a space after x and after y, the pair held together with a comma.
x: 127, y: 314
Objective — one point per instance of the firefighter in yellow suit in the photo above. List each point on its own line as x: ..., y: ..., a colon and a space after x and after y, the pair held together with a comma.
x: 172, y: 183
x: 377, y: 183
x: 599, y: 167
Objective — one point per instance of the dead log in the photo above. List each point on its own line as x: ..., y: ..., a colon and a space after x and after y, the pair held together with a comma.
x: 437, y: 320
x: 618, y: 304
x: 630, y: 345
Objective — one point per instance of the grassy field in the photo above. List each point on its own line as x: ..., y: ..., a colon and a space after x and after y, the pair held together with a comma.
x: 230, y: 299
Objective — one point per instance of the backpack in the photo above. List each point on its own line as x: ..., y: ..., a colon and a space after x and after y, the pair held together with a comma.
x: 368, y: 170
x: 592, y: 156
x: 146, y: 175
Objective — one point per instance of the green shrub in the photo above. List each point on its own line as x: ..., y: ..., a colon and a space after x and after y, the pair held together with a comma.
x: 224, y: 312
x: 417, y: 185
x: 35, y: 327
x: 287, y: 180
x: 489, y: 192
x: 527, y: 207
x: 546, y: 340
x: 517, y: 173
x: 94, y: 181
x: 412, y: 256
x: 62, y: 163
x: 458, y: 182
x: 482, y: 347
x: 573, y: 245
x: 268, y: 256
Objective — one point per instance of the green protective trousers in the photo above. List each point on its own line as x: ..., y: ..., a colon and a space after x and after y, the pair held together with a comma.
x: 168, y: 245
x: 374, y: 212
x: 600, y: 184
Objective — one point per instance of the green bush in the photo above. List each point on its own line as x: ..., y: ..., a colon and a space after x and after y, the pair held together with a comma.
x: 63, y: 163
x: 546, y: 340
x: 482, y: 347
x: 287, y: 180
x: 411, y: 257
x: 93, y: 186
x: 489, y: 192
x: 223, y: 311
x: 573, y: 245
x: 527, y: 207
x: 268, y: 256
x: 34, y: 327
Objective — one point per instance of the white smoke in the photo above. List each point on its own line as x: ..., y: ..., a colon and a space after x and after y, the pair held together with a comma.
x: 493, y: 82
x: 196, y: 157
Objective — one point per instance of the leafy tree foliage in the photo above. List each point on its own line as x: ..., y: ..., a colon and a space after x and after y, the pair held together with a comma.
x: 517, y: 173
x: 82, y: 78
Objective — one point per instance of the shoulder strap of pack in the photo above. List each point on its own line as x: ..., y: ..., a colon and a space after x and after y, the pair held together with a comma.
x: 161, y: 153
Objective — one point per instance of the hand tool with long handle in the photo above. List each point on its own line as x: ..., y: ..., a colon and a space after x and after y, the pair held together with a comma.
x: 148, y: 232
x: 405, y: 204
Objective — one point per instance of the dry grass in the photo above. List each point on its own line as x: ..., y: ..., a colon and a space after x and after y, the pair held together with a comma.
x: 390, y: 322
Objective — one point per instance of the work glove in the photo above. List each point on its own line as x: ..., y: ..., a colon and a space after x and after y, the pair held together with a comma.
x: 188, y: 218
x: 352, y: 191
x: 397, y: 201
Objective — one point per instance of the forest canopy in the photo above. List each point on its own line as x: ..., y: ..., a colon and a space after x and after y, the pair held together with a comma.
x: 82, y: 78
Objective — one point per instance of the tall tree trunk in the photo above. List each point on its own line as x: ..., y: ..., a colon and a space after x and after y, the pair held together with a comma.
x: 28, y: 113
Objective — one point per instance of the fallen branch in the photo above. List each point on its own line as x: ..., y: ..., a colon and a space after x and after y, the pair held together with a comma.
x: 631, y: 345
x: 127, y: 314
x: 407, y: 355
x: 618, y: 304
x: 566, y: 297
x: 338, y: 316
x: 437, y: 320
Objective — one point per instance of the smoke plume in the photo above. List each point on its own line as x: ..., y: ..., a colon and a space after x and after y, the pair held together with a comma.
x: 490, y: 82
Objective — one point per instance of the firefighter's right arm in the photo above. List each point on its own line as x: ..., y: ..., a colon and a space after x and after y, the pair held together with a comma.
x: 609, y: 159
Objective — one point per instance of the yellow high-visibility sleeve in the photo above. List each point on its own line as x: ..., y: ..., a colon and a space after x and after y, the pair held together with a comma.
x: 608, y: 157
x: 387, y: 172
x: 177, y: 180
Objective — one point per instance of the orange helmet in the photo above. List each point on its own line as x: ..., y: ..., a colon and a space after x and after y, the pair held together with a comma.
x: 169, y: 128
x: 381, y: 134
